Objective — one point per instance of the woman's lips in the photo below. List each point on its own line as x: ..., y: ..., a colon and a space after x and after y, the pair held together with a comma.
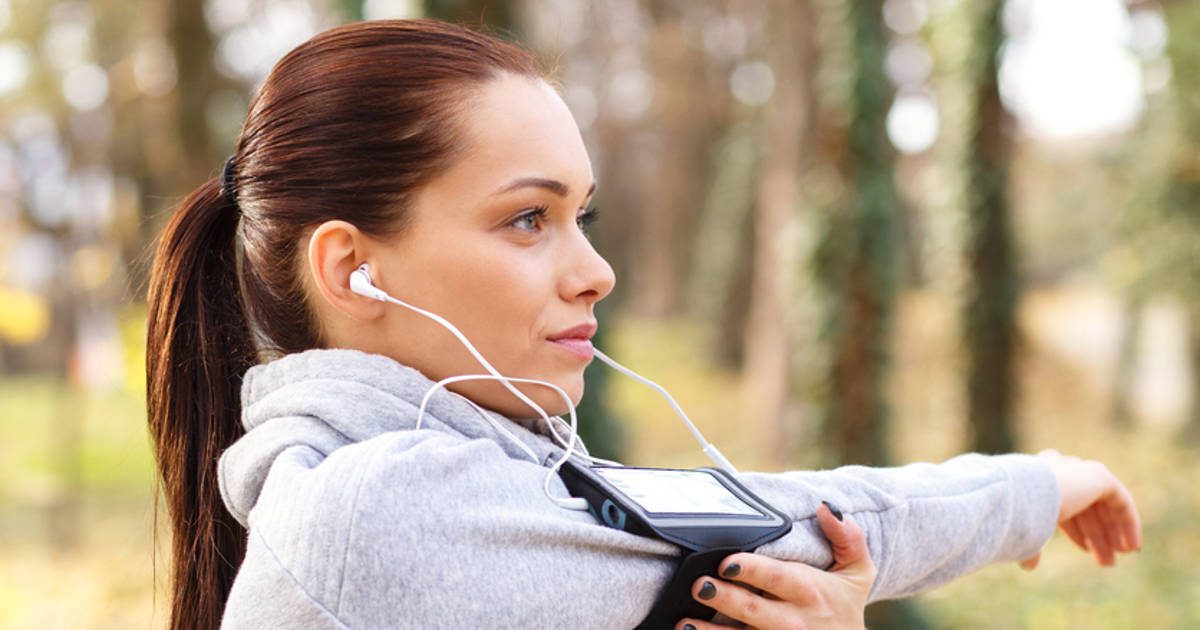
x: 581, y: 348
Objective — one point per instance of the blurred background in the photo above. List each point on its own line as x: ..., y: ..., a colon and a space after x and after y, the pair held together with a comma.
x: 845, y: 231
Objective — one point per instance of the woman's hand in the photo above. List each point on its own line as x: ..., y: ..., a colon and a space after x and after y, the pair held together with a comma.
x: 1095, y: 510
x: 794, y: 595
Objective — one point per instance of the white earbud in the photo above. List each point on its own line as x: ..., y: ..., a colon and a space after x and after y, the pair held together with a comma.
x: 360, y: 283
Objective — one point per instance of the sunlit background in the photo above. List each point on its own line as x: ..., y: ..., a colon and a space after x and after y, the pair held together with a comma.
x: 844, y: 231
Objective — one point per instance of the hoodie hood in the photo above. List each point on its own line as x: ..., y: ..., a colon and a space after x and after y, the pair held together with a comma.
x: 323, y: 400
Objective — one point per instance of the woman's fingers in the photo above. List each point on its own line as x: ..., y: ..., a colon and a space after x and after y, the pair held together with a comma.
x: 1111, y: 540
x: 1108, y: 519
x: 1113, y: 521
x: 792, y: 591
x: 1124, y: 515
x: 1093, y: 529
x: 1031, y: 562
x: 791, y: 581
x: 1071, y: 527
x: 1095, y: 508
x: 739, y: 603
x: 696, y: 624
x: 1133, y: 529
x: 784, y: 580
x: 846, y: 538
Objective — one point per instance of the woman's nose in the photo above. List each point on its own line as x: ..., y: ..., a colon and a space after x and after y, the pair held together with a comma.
x: 589, y: 276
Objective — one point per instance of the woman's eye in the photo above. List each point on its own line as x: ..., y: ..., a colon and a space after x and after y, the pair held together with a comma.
x: 587, y: 218
x: 529, y: 220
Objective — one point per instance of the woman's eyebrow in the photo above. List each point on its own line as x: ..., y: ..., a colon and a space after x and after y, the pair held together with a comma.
x: 553, y: 185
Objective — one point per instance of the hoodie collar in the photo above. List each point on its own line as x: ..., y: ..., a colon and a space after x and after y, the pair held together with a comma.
x: 336, y: 386
x: 327, y: 399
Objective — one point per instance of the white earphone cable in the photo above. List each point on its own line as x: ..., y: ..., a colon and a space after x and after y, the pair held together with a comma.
x: 709, y: 449
x: 360, y: 283
x: 567, y: 502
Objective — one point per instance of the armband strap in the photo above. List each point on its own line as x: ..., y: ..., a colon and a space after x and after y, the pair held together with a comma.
x: 675, y: 602
x: 707, y: 529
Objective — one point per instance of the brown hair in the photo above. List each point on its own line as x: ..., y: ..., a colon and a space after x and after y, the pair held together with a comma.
x: 347, y: 126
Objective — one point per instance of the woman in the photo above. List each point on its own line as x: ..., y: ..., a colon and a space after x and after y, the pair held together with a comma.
x: 444, y: 161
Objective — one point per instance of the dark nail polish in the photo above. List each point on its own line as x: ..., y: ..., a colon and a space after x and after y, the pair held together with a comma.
x: 732, y: 571
x: 836, y: 512
x: 688, y: 626
x: 708, y: 591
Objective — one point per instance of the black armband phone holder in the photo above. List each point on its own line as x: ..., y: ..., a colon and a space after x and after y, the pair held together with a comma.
x: 706, y: 511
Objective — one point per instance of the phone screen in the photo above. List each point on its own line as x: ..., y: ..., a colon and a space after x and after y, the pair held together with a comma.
x: 677, y: 491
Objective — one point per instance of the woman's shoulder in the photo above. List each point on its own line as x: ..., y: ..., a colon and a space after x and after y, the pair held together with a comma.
x: 307, y: 477
x: 381, y: 480
x: 325, y: 520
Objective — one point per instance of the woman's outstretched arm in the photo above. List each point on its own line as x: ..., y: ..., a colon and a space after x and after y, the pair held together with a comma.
x: 927, y: 524
x: 414, y: 528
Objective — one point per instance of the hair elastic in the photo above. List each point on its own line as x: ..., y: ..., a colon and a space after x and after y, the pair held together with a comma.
x: 229, y: 181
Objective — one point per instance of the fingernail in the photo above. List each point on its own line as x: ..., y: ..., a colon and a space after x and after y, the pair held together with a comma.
x: 732, y: 570
x: 836, y: 512
x: 688, y: 626
x: 708, y: 591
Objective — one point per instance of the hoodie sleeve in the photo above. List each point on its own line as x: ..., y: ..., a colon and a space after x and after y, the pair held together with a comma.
x: 926, y: 524
x: 449, y: 532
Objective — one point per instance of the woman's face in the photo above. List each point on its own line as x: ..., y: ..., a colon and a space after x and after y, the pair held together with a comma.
x: 496, y: 246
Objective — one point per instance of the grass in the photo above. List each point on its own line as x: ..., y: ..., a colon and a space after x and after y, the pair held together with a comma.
x: 75, y: 521
x: 94, y: 569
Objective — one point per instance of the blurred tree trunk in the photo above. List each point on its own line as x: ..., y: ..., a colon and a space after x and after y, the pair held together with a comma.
x: 351, y: 10
x: 145, y: 125
x: 787, y: 134
x: 866, y: 278
x: 1121, y: 415
x: 193, y: 46
x: 496, y: 14
x: 64, y: 512
x: 1181, y: 245
x: 685, y: 129
x: 857, y: 422
x: 721, y: 272
x: 617, y: 188
x: 617, y: 151
x: 1191, y: 431
x: 730, y: 347
x: 599, y: 427
x: 990, y: 310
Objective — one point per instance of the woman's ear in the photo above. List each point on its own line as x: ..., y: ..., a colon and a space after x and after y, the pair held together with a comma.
x: 335, y: 249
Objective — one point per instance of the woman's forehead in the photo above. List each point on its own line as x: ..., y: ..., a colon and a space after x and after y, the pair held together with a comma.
x: 518, y: 128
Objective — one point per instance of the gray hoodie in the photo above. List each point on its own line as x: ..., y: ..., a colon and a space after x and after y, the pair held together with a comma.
x: 356, y: 520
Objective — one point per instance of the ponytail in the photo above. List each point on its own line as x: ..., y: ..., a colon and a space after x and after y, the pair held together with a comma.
x: 198, y: 349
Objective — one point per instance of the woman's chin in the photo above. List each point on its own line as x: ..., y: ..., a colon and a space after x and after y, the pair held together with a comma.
x: 550, y: 401
x: 553, y: 405
x: 496, y: 397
